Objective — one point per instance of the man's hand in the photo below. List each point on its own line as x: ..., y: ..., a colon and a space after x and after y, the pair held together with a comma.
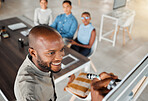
x: 100, y: 84
x: 99, y: 87
x: 95, y: 96
x: 105, y: 75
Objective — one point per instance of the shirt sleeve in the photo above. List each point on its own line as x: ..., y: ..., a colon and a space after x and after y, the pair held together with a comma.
x: 36, y: 20
x: 72, y: 30
x: 54, y: 24
x: 30, y: 98
x: 29, y: 93
x: 50, y: 21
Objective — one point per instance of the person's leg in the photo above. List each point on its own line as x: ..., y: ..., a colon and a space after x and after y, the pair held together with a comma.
x: 74, y: 47
x: 85, y: 51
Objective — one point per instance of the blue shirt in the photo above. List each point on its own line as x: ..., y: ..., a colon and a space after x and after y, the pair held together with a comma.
x: 84, y: 33
x: 66, y: 25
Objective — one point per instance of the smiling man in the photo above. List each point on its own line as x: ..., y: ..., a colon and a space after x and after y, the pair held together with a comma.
x: 34, y: 81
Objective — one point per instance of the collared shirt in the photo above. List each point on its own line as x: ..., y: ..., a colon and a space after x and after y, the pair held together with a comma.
x: 66, y: 25
x: 31, y: 84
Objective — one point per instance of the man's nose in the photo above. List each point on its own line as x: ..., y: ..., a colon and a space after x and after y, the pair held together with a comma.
x: 65, y: 9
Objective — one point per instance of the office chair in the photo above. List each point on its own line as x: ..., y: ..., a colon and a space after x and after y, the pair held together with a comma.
x: 125, y: 27
x: 93, y: 49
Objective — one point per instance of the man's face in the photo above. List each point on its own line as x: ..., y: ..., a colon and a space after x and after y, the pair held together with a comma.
x: 67, y: 8
x: 85, y: 19
x: 50, y: 54
x: 43, y: 4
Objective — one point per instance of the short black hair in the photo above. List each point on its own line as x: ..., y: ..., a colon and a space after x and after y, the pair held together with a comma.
x: 67, y: 1
x: 46, y: 0
x: 86, y: 13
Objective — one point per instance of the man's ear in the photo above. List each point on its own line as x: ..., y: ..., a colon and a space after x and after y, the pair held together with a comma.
x: 32, y: 52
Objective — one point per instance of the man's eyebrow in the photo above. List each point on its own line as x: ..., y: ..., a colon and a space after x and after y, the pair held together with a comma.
x: 50, y: 50
x: 54, y: 50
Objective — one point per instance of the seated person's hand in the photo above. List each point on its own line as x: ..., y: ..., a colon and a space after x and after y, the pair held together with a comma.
x: 66, y: 41
x: 73, y: 42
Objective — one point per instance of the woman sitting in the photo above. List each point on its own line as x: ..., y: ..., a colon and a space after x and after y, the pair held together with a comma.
x: 86, y: 36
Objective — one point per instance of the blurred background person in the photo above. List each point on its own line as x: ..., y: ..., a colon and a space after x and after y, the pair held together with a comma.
x: 43, y: 15
x: 86, y: 36
x: 66, y: 24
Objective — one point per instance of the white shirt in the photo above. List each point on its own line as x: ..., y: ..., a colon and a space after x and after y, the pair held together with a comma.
x: 31, y: 84
x: 42, y: 16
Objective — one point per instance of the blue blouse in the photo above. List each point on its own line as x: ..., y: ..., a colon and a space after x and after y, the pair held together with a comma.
x: 84, y: 33
x: 66, y: 25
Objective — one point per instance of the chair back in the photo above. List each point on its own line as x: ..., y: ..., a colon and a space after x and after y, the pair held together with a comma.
x: 93, y: 48
x: 129, y: 21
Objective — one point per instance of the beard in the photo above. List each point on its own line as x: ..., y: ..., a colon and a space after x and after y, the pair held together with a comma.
x: 44, y: 65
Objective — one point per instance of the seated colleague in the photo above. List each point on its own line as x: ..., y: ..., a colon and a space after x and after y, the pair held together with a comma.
x: 86, y: 36
x: 66, y: 24
x: 43, y: 15
x: 99, y: 87
x: 34, y: 80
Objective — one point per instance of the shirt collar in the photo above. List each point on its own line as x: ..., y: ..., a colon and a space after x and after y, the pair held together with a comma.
x: 43, y: 10
x: 87, y: 25
x: 28, y: 59
x: 68, y: 15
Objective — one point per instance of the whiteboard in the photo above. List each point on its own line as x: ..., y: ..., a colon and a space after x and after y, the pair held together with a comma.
x: 122, y: 91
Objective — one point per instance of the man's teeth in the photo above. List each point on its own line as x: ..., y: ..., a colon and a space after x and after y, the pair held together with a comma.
x: 56, y: 63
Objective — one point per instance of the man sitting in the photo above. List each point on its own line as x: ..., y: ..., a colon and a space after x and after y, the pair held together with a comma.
x: 66, y: 24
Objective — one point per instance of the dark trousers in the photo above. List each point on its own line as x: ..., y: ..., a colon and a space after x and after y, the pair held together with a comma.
x: 81, y: 50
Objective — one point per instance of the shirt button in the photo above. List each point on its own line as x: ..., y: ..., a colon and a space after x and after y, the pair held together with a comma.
x: 65, y: 20
x: 61, y: 29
